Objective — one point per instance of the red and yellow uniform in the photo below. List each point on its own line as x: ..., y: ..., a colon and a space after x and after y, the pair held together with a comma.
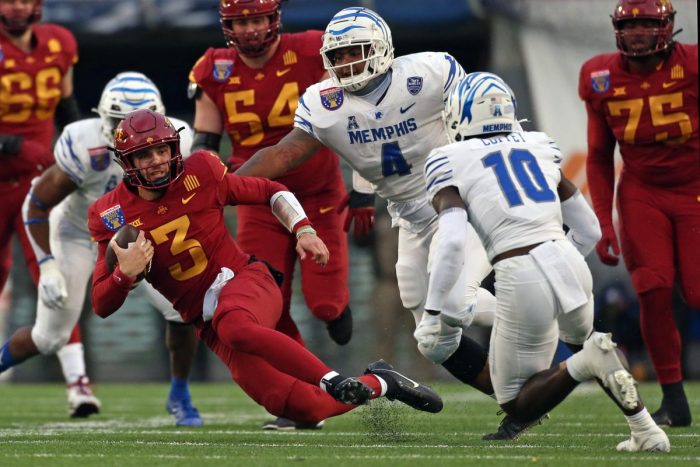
x: 30, y: 89
x: 191, y: 246
x: 654, y: 119
x: 257, y: 107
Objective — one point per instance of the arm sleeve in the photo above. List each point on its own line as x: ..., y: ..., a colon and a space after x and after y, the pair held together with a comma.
x: 584, y: 229
x: 600, y: 165
x: 449, y: 257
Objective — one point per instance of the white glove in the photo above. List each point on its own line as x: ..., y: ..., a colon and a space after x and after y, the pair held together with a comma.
x: 52, y: 285
x: 427, y: 332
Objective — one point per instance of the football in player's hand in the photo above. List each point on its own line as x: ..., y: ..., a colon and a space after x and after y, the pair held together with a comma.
x: 127, y: 234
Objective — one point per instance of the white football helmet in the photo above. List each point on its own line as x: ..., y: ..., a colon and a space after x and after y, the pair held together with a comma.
x: 358, y: 26
x: 126, y: 92
x: 481, y: 103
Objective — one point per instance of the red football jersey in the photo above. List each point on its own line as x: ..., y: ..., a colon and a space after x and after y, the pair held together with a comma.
x: 186, y: 227
x: 258, y: 105
x: 653, y: 117
x: 30, y: 88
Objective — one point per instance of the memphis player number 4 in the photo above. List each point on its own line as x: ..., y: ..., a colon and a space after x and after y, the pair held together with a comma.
x: 527, y: 172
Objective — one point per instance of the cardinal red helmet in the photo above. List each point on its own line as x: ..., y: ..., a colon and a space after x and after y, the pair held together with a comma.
x: 661, y: 11
x: 16, y: 22
x: 142, y: 129
x: 250, y: 44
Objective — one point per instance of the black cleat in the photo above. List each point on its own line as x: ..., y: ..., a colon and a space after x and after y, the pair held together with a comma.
x: 401, y: 388
x: 285, y: 424
x: 510, y: 429
x: 340, y: 329
x: 673, y: 413
x: 349, y: 391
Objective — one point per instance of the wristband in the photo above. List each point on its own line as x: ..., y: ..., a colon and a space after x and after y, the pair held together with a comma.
x: 306, y: 229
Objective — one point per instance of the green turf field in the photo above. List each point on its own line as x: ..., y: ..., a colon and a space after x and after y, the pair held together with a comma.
x: 134, y: 429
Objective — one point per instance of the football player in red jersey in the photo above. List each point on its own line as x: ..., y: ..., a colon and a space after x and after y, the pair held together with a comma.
x: 645, y: 99
x: 231, y: 298
x: 36, y: 88
x: 250, y: 90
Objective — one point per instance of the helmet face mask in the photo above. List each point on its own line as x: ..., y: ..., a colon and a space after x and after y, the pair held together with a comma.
x: 256, y: 42
x: 142, y: 130
x: 357, y: 27
x: 126, y: 92
x: 643, y: 27
x: 17, y: 22
x: 480, y: 104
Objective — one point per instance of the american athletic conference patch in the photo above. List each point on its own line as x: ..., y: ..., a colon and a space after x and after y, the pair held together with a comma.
x: 332, y: 98
x: 99, y: 158
x: 600, y: 80
x: 414, y: 84
x: 222, y: 69
x: 113, y: 218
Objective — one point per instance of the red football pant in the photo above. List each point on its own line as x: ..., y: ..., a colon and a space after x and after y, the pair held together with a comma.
x: 325, y: 289
x: 660, y: 234
x: 12, y: 195
x: 273, y: 369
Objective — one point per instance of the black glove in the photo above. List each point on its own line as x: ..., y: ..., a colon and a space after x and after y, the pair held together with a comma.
x: 10, y: 144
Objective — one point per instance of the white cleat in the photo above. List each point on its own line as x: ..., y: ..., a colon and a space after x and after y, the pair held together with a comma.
x: 606, y: 365
x: 653, y: 439
x: 81, y: 401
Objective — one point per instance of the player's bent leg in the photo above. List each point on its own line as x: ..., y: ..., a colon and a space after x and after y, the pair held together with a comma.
x: 181, y: 342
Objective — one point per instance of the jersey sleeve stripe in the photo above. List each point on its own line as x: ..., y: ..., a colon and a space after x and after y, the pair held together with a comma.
x: 452, y: 72
x: 437, y: 181
x: 304, y: 124
x: 301, y: 101
x: 433, y: 160
x: 72, y: 166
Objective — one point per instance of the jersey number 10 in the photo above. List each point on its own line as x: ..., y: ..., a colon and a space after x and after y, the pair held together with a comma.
x: 527, y: 172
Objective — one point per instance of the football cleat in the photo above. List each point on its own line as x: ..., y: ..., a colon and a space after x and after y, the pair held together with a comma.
x: 184, y: 412
x: 340, y: 329
x: 511, y: 429
x: 285, y: 424
x: 604, y: 363
x: 349, y: 391
x: 673, y: 412
x: 404, y: 389
x: 81, y: 401
x: 653, y: 439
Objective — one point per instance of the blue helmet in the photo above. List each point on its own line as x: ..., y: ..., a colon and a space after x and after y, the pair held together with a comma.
x: 480, y: 103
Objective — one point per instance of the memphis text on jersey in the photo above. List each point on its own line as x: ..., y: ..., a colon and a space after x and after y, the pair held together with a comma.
x: 383, y: 133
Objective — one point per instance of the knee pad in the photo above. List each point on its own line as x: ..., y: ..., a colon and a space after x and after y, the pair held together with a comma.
x: 49, y: 345
x: 447, y: 344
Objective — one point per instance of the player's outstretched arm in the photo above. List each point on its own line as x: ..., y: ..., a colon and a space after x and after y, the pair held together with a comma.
x: 584, y: 229
x: 289, y: 152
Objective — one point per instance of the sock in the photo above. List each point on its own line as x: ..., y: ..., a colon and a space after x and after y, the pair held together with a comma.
x: 72, y: 360
x: 640, y: 421
x: 329, y: 380
x: 179, y: 389
x: 673, y: 390
x: 6, y: 359
x: 577, y: 367
x: 467, y: 361
x: 377, y: 383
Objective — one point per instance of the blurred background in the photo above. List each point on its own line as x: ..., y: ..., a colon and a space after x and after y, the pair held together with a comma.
x: 537, y: 46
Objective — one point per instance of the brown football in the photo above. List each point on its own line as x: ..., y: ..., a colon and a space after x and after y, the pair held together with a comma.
x: 127, y: 234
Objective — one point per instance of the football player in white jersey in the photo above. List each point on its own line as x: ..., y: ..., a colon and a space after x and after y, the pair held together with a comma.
x: 83, y: 172
x: 383, y: 116
x: 508, y: 185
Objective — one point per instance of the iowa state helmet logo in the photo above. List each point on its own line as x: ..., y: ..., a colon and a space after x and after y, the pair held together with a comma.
x: 332, y: 98
x: 600, y: 80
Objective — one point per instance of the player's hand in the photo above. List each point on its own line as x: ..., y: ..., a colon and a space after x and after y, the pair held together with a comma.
x: 427, y: 332
x: 136, y: 258
x: 309, y: 243
x: 360, y: 212
x: 607, y: 247
x: 52, y: 285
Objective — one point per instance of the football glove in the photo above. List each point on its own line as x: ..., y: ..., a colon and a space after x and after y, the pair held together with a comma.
x: 606, y: 244
x: 427, y: 332
x: 360, y: 212
x: 52, y: 285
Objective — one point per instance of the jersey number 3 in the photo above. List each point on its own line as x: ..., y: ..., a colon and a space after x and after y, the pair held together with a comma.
x: 181, y: 244
x: 527, y: 172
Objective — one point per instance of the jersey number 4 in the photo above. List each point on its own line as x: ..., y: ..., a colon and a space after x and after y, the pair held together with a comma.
x: 393, y: 161
x: 527, y: 172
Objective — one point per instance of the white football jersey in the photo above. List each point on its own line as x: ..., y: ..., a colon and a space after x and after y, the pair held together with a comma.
x: 386, y: 143
x: 81, y: 152
x: 509, y: 184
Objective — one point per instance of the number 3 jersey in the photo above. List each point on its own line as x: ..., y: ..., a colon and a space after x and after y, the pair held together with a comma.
x: 509, y: 184
x: 186, y: 226
x: 30, y: 88
x: 653, y: 117
x: 257, y: 105
x: 81, y: 153
x: 387, y: 142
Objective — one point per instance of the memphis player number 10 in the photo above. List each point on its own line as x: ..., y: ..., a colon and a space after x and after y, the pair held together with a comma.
x: 527, y: 172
